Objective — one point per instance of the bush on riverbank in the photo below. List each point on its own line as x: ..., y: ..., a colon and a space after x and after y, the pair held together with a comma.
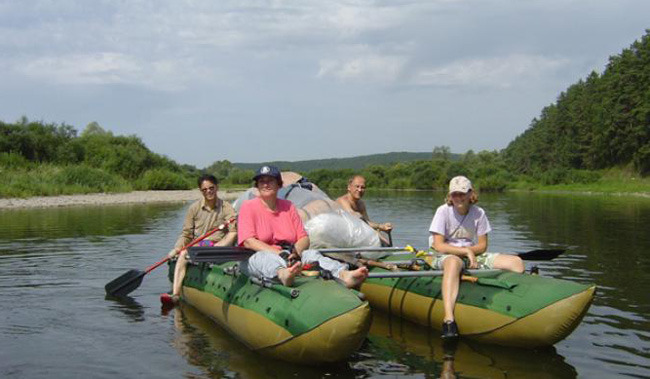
x: 161, y: 179
x: 51, y: 180
x: 39, y: 159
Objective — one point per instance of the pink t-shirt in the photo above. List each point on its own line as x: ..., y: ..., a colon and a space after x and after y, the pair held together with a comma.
x: 257, y: 221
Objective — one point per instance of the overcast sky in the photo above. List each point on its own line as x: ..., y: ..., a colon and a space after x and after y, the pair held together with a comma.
x: 251, y: 81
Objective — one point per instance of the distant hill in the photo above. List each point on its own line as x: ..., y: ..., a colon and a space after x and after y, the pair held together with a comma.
x: 355, y: 163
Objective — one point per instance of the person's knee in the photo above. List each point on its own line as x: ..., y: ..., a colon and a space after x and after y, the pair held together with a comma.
x: 510, y: 263
x: 311, y: 255
x: 452, y: 264
x: 518, y: 265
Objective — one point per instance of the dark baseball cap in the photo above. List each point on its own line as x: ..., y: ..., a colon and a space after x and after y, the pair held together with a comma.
x: 268, y: 171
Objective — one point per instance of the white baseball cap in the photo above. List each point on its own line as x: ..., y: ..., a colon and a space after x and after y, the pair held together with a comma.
x: 460, y: 184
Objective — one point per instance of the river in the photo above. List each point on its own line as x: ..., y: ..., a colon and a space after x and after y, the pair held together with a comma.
x: 56, y: 321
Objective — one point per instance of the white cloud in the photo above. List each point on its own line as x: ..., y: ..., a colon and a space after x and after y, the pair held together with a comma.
x: 368, y: 68
x: 112, y: 68
x: 501, y: 72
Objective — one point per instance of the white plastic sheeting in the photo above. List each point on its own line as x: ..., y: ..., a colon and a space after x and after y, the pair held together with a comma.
x: 340, y: 229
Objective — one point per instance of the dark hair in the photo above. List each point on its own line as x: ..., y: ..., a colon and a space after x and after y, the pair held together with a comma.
x: 209, y: 178
x: 276, y: 179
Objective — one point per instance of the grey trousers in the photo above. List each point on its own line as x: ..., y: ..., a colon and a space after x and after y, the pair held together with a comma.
x: 265, y: 264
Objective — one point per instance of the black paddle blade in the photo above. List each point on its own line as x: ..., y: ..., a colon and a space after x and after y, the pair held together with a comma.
x: 218, y: 254
x: 125, y: 284
x: 541, y: 254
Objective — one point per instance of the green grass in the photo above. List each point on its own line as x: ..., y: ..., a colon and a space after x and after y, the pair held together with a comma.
x: 51, y: 180
x: 615, y: 180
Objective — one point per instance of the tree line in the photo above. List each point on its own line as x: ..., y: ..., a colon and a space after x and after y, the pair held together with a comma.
x: 487, y: 166
x: 597, y: 123
x: 38, y: 158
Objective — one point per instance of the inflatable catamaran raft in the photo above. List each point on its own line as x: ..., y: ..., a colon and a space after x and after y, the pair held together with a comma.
x: 320, y: 321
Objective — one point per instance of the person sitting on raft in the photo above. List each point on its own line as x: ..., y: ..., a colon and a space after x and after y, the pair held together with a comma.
x: 353, y: 204
x: 266, y: 222
x: 202, y: 216
x: 459, y: 234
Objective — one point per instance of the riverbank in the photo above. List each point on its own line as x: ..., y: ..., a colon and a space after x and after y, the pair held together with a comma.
x: 111, y: 198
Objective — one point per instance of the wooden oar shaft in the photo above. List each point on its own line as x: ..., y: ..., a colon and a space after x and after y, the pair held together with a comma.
x: 192, y: 243
x: 362, y: 249
x: 532, y: 255
x: 407, y: 274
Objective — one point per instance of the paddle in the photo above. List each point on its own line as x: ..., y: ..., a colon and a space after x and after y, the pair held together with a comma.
x: 219, y: 254
x: 492, y: 282
x: 533, y: 255
x: 367, y: 249
x: 408, y: 274
x: 130, y: 280
x: 540, y: 254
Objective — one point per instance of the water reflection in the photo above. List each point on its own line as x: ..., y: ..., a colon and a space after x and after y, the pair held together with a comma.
x: 128, y: 306
x: 421, y: 350
x: 394, y: 348
x: 206, y: 345
x: 39, y: 225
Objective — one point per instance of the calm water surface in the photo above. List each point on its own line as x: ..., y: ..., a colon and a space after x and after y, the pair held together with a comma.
x: 56, y: 321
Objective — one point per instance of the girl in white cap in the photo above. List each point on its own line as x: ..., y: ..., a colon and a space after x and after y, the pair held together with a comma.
x: 459, y: 234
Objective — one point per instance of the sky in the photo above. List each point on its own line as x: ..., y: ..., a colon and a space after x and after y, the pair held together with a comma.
x: 253, y: 81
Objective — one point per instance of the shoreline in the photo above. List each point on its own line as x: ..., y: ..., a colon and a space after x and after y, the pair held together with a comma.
x: 135, y: 197
x: 180, y: 196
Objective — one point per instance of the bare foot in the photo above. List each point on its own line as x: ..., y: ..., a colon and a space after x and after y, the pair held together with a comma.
x: 353, y: 278
x: 287, y: 275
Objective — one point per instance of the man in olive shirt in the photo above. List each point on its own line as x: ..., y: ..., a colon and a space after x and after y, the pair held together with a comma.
x: 203, y: 216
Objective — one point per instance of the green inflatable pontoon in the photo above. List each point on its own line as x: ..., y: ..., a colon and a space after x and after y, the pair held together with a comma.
x: 500, y: 307
x: 315, y: 321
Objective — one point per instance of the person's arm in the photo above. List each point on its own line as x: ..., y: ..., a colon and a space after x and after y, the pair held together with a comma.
x: 187, y: 233
x: 228, y: 240
x: 470, y: 252
x: 228, y: 214
x: 257, y: 245
x: 385, y: 227
x: 441, y: 246
x: 302, y: 238
x: 301, y: 245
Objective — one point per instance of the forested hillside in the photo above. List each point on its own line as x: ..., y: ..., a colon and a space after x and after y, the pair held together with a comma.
x: 354, y: 163
x: 600, y: 122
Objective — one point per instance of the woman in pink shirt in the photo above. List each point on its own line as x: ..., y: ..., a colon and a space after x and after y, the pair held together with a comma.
x: 266, y: 222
